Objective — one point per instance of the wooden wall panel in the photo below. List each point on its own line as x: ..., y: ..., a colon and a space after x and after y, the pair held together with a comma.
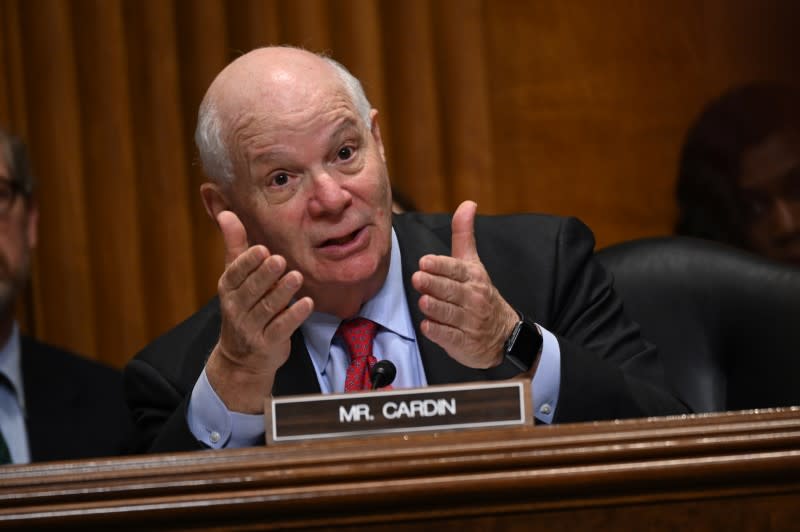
x: 252, y: 23
x: 166, y: 191
x: 358, y: 43
x: 465, y: 111
x: 12, y: 118
x: 12, y: 94
x: 594, y: 99
x: 63, y: 287
x: 567, y: 107
x: 202, y: 54
x: 111, y: 192
x: 307, y: 23
x: 415, y: 153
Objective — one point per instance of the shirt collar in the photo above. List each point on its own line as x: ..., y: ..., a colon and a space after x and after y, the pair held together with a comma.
x: 11, y: 365
x: 388, y: 308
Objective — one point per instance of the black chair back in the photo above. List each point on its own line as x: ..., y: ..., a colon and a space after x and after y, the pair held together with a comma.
x: 727, y: 323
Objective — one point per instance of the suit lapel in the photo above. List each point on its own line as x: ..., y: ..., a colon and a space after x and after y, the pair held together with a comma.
x: 50, y: 398
x: 297, y: 375
x: 415, y: 241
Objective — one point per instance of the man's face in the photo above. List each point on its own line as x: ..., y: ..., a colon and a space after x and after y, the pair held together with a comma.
x: 311, y: 184
x: 770, y: 190
x: 17, y: 238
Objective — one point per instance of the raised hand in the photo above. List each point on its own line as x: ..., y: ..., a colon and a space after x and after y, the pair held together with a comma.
x: 257, y: 320
x: 465, y: 314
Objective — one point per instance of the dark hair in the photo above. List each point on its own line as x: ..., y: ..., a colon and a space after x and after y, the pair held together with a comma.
x: 16, y: 157
x: 707, y: 190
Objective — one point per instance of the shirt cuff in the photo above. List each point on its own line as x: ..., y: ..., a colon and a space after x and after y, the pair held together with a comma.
x: 217, y: 427
x: 546, y: 382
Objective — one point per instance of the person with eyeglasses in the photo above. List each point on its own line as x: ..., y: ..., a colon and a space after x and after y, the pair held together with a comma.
x: 54, y: 405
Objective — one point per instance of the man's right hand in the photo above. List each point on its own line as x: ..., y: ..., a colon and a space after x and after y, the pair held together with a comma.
x: 257, y: 320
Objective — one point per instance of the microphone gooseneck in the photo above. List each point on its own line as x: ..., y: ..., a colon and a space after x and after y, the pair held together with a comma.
x: 382, y: 374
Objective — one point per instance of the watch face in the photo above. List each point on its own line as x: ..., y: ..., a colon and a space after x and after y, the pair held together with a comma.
x: 523, y: 345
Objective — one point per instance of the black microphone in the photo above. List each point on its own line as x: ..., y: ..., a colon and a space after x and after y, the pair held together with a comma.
x: 382, y: 374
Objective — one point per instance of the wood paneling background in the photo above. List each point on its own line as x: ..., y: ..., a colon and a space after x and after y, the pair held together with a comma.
x: 572, y: 107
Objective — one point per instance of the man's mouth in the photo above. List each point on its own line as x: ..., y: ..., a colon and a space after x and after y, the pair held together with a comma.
x: 342, y: 240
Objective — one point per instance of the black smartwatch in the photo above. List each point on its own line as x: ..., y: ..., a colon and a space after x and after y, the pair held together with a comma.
x: 522, y: 347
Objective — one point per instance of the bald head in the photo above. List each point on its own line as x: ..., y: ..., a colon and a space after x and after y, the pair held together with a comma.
x: 277, y: 82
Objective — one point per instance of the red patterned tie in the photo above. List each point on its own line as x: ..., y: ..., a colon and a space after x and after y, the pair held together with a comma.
x: 358, y: 335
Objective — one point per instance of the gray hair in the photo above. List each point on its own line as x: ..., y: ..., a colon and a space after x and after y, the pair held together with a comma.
x: 15, y: 154
x: 209, y: 138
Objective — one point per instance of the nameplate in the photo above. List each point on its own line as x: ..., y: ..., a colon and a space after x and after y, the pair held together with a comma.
x: 433, y: 408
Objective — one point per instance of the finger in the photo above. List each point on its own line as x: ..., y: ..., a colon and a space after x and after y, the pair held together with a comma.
x: 463, y: 225
x: 438, y: 286
x: 239, y: 270
x: 287, y: 322
x: 447, y: 337
x: 234, y: 236
x: 442, y: 311
x: 455, y: 269
x: 259, y: 281
x: 275, y: 301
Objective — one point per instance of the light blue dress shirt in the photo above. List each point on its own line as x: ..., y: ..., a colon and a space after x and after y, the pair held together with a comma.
x: 212, y: 424
x: 12, y: 400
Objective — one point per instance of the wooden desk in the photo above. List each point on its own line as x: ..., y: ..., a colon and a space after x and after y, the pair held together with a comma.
x: 733, y: 471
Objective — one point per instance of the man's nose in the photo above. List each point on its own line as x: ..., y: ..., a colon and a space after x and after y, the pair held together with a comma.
x: 328, y: 196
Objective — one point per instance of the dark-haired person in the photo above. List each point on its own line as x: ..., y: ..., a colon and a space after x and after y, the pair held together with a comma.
x: 739, y: 180
x: 54, y: 405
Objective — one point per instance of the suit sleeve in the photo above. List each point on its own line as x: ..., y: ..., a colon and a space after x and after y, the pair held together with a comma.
x: 159, y: 411
x: 607, y: 370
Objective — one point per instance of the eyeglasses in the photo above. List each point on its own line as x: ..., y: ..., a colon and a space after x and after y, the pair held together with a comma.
x: 9, y: 190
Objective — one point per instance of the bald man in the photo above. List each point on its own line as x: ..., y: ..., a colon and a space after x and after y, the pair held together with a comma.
x: 299, y: 188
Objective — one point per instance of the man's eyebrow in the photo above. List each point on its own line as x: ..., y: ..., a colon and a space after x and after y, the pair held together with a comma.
x: 344, y: 126
x: 271, y: 155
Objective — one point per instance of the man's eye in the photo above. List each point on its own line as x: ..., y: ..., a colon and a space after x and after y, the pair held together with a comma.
x: 345, y: 153
x: 280, y: 180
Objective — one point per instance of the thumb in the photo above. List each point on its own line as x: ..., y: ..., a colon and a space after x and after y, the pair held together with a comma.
x: 463, y: 225
x: 233, y: 235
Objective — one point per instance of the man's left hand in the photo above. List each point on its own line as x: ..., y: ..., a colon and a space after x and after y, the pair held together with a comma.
x: 465, y: 314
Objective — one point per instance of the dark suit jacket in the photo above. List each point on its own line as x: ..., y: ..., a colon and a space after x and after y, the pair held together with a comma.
x: 542, y: 265
x: 75, y: 407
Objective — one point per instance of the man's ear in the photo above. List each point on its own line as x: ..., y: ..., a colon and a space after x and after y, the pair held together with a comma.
x: 376, y: 132
x: 214, y: 200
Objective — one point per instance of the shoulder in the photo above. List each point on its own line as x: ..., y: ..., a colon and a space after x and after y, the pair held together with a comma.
x: 503, y: 231
x: 39, y: 357
x: 69, y: 394
x: 180, y: 353
x: 61, y: 384
x: 532, y: 228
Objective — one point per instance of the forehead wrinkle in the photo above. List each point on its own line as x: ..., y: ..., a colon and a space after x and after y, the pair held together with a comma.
x: 264, y: 138
x: 277, y: 152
